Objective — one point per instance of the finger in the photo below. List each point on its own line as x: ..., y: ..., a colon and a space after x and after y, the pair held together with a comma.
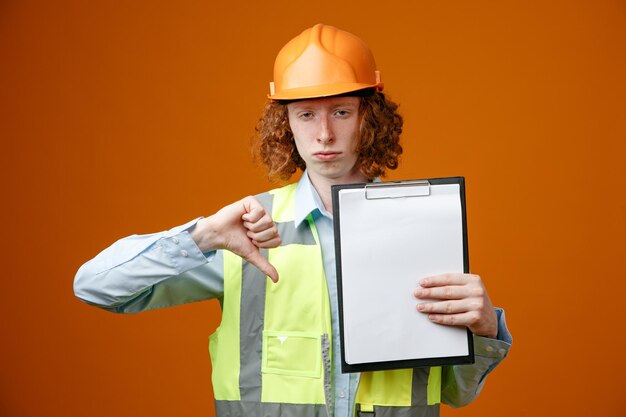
x: 256, y: 259
x: 263, y: 223
x: 254, y: 216
x: 448, y: 279
x: 443, y: 307
x: 462, y: 319
x: 448, y: 292
x: 268, y: 244
x: 264, y: 235
x: 253, y: 210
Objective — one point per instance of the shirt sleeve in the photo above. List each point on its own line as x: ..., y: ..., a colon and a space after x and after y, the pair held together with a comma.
x: 144, y: 272
x: 462, y: 383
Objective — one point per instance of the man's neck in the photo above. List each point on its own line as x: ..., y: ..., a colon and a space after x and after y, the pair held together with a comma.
x: 322, y: 186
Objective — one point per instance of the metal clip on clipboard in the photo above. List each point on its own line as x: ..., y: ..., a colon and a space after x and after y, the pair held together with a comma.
x: 397, y: 189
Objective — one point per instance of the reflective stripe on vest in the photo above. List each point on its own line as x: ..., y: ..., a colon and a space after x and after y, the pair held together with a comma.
x: 271, y: 353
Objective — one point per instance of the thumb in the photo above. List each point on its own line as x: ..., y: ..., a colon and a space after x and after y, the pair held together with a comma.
x: 256, y: 259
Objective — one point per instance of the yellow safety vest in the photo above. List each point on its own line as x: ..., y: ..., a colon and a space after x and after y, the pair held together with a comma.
x: 271, y: 354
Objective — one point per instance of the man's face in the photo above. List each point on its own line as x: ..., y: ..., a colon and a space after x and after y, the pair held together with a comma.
x: 326, y: 132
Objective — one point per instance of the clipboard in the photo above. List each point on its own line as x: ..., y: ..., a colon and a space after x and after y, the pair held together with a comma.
x: 388, y: 235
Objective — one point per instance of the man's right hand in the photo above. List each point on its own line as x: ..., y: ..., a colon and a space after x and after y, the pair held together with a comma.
x: 242, y: 228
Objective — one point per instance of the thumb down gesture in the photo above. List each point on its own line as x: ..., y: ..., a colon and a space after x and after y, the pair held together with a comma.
x: 242, y: 228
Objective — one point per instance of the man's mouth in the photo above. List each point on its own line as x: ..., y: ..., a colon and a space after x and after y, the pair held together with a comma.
x: 326, y: 155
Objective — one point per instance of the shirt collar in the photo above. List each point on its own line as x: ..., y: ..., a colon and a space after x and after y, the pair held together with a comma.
x: 307, y: 200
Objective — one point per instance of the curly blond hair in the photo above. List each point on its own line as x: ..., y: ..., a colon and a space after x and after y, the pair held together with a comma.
x: 378, y: 147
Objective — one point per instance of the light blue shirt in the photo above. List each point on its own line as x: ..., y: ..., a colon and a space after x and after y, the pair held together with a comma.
x: 144, y: 272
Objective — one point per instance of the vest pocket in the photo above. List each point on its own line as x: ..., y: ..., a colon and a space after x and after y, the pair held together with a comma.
x: 292, y: 353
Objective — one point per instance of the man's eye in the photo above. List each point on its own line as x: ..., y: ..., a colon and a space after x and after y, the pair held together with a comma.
x: 342, y: 113
x: 306, y: 115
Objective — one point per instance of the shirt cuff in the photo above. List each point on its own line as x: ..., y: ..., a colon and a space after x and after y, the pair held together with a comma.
x: 496, y: 348
x: 503, y: 331
x: 182, y: 250
x: 183, y: 233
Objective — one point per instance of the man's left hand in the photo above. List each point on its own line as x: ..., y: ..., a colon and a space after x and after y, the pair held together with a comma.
x: 458, y: 300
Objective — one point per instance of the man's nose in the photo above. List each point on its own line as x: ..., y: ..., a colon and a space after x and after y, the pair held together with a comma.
x: 325, y: 133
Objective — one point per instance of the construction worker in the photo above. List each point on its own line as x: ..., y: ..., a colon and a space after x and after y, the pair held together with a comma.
x: 276, y: 351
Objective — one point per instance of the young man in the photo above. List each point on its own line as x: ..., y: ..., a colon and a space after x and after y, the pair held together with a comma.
x: 276, y: 351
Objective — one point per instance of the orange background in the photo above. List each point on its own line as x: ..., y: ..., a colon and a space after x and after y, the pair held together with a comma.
x: 123, y: 117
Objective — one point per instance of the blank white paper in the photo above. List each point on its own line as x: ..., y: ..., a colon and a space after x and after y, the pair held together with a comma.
x: 387, y: 245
